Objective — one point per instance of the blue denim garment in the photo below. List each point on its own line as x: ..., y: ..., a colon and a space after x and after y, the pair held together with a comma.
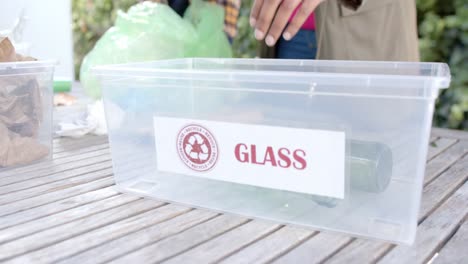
x: 302, y: 46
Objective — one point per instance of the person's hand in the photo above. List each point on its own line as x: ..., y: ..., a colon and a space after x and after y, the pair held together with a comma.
x: 270, y: 17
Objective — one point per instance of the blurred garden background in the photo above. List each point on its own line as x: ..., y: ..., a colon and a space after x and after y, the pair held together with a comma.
x: 443, y: 32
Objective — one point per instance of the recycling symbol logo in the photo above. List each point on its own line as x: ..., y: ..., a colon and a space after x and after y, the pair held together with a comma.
x: 197, y: 148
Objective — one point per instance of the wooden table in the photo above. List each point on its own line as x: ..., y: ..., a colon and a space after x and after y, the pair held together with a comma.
x: 67, y: 211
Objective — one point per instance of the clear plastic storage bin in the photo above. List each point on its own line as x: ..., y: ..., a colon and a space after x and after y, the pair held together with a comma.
x: 331, y: 145
x: 25, y: 112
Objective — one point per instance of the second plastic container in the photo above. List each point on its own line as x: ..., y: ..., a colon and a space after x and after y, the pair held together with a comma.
x: 25, y: 113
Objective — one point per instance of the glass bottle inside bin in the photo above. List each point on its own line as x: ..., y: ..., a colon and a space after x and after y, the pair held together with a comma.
x: 370, y: 168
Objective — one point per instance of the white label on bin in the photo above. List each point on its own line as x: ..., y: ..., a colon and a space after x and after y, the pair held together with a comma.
x: 297, y: 160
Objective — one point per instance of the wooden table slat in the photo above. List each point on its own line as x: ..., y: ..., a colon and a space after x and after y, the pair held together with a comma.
x: 118, y: 247
x: 56, y: 234
x: 270, y: 247
x: 56, y: 207
x: 439, y: 146
x: 455, y: 251
x: 372, y: 250
x: 442, y: 187
x: 107, y: 233
x: 58, y: 185
x: 443, y: 161
x: 226, y: 244
x: 79, y: 145
x: 316, y: 249
x: 68, y: 144
x: 51, y: 197
x: 52, y: 167
x: 178, y: 243
x: 66, y: 156
x: 65, y: 217
x: 79, y: 151
x: 59, y: 177
x: 434, y: 231
x: 449, y: 133
x: 360, y: 251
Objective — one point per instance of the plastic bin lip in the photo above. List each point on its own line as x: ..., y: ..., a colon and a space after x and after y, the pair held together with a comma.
x: 28, y: 64
x: 437, y: 72
x: 29, y: 67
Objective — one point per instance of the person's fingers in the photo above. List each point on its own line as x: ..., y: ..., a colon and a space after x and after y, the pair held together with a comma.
x: 308, y: 6
x: 281, y: 20
x: 267, y: 13
x: 255, y: 12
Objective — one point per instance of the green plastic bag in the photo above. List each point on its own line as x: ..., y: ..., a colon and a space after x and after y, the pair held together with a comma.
x: 208, y: 19
x: 151, y: 31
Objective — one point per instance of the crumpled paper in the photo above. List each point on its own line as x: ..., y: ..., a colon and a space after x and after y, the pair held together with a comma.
x: 92, y: 122
x: 7, y: 51
x: 64, y: 99
x: 20, y: 113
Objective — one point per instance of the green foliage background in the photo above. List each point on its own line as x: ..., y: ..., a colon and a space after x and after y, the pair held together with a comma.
x: 443, y: 31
